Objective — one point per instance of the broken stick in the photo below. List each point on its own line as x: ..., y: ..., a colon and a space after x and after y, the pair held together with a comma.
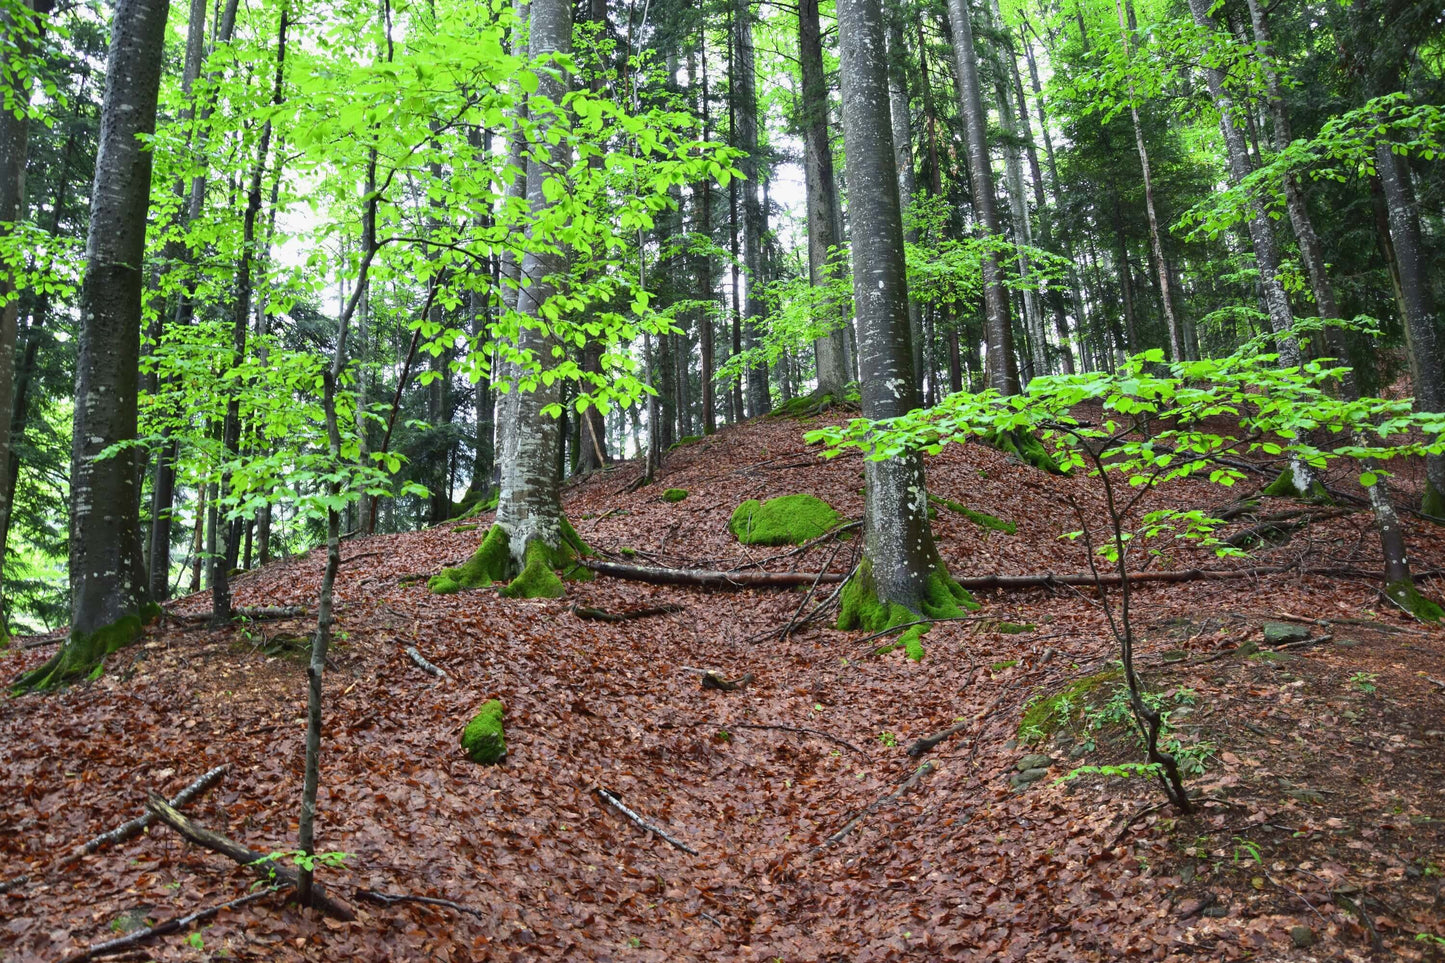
x: 851, y: 824
x: 120, y: 944
x: 928, y: 742
x: 584, y: 612
x: 423, y: 664
x: 258, y: 863
x: 389, y: 899
x: 641, y: 823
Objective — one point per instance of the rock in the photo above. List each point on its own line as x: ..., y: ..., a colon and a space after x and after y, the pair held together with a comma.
x: 1302, y: 936
x: 1028, y: 777
x: 1175, y: 655
x: 1216, y: 911
x: 1079, y: 751
x: 484, y: 739
x: 1346, y: 643
x: 1278, y: 633
x: 1034, y: 761
x: 1011, y: 744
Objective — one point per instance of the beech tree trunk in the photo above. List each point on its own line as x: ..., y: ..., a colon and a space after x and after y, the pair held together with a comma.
x: 1002, y: 368
x: 822, y: 192
x: 109, y: 596
x: 907, y: 183
x: 898, y: 544
x: 754, y: 221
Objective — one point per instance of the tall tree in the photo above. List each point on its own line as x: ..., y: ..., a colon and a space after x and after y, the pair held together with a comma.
x: 745, y: 103
x: 109, y: 596
x: 901, y: 572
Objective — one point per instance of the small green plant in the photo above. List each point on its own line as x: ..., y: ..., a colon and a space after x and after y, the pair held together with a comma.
x: 1430, y: 938
x: 333, y: 859
x: 635, y: 942
x: 1364, y: 681
x: 196, y: 941
x: 1246, y: 850
x: 887, y: 738
x: 722, y: 735
x: 1123, y: 770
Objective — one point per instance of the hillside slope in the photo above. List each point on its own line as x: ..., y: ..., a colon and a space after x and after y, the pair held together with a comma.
x: 1321, y: 805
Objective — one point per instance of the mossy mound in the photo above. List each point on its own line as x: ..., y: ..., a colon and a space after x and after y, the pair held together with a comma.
x: 484, y: 738
x: 981, y: 519
x: 474, y: 507
x: 1044, y: 717
x: 862, y: 609
x: 83, y: 653
x: 1285, y: 486
x: 492, y: 562
x: 1405, y: 595
x: 674, y: 494
x: 785, y: 520
x: 684, y: 441
x: 1027, y: 449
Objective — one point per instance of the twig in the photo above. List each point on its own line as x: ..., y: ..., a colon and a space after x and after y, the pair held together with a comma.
x: 848, y: 827
x: 1432, y: 679
x: 1134, y: 819
x: 1304, y: 643
x: 800, y: 729
x: 928, y: 742
x: 112, y: 947
x: 641, y: 823
x: 423, y: 664
x: 389, y: 899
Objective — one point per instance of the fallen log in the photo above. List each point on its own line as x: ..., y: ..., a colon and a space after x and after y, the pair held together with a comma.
x: 1048, y: 580
x: 598, y: 615
x: 708, y: 578
x: 259, y: 863
x: 123, y: 943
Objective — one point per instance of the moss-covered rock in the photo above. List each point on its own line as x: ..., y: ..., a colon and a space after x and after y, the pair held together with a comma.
x: 674, y: 494
x: 785, y: 520
x: 1405, y: 595
x: 981, y: 519
x: 484, y: 739
x: 1286, y: 486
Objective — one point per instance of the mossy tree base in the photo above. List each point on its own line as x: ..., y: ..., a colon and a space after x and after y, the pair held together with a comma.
x: 83, y: 653
x: 785, y: 520
x: 861, y: 608
x: 484, y: 738
x: 536, y: 577
x: 1285, y: 486
x: 1406, y: 596
x: 1027, y: 449
x: 816, y: 403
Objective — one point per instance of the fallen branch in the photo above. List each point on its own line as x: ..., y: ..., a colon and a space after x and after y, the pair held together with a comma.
x: 423, y: 664
x: 928, y: 742
x: 707, y: 578
x: 849, y: 826
x: 1047, y: 580
x: 258, y: 863
x: 641, y: 823
x: 712, y: 679
x: 799, y: 729
x: 120, y: 944
x: 257, y: 613
x: 390, y: 899
x: 597, y: 615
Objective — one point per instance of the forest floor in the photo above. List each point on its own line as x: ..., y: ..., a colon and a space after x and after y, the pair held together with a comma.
x: 1318, y: 834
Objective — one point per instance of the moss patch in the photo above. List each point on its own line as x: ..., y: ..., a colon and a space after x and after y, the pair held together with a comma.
x: 83, y: 653
x: 538, y: 578
x: 674, y: 494
x: 785, y: 520
x: 492, y: 562
x: 484, y: 738
x: 684, y: 441
x: 465, y: 528
x: 1045, y: 716
x: 1284, y: 487
x: 1433, y: 504
x: 1405, y: 595
x: 862, y: 609
x: 489, y: 563
x: 1014, y: 628
x: 981, y: 519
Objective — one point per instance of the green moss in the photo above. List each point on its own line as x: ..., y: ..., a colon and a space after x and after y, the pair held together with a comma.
x: 785, y: 520
x: 443, y: 584
x: 464, y: 528
x: 484, y: 738
x: 860, y: 608
x: 1284, y: 487
x: 1405, y: 595
x: 538, y: 578
x: 684, y: 441
x: 1027, y: 449
x: 82, y: 653
x: 1000, y: 666
x: 1044, y: 716
x: 1014, y: 628
x: 1433, y: 504
x: 489, y: 563
x: 978, y: 518
x: 674, y: 494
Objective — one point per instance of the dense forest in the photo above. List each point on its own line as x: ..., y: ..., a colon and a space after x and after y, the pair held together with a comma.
x: 531, y: 305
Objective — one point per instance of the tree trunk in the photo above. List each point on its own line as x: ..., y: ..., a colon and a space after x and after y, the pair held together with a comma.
x: 822, y: 194
x: 505, y: 373
x: 743, y: 78
x: 900, y: 560
x: 1003, y: 375
x: 907, y: 184
x: 109, y: 597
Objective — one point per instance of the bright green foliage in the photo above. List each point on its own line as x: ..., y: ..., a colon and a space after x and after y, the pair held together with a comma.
x: 484, y: 738
x: 1043, y: 717
x: 785, y: 520
x: 674, y: 494
x: 978, y: 518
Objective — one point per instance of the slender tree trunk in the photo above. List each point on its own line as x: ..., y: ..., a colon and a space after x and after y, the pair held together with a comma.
x: 822, y: 194
x: 109, y: 596
x: 506, y: 416
x: 702, y: 193
x: 1002, y: 369
x: 754, y: 221
x: 907, y: 184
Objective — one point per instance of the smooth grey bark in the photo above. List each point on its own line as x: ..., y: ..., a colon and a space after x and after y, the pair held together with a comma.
x: 898, y: 544
x: 108, y: 590
x: 907, y: 182
x: 1127, y: 28
x: 1261, y: 235
x: 744, y: 79
x: 702, y: 203
x: 822, y: 193
x: 14, y: 151
x: 1002, y: 369
x: 529, y: 507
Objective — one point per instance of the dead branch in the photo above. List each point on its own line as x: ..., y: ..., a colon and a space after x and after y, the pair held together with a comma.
x: 641, y: 823
x: 583, y: 612
x: 877, y: 804
x: 391, y: 899
x: 712, y: 679
x: 928, y: 742
x: 799, y: 729
x: 707, y: 578
x: 120, y: 944
x: 258, y: 863
x: 423, y: 664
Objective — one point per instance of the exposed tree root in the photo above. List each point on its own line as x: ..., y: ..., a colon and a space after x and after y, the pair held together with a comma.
x: 391, y: 899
